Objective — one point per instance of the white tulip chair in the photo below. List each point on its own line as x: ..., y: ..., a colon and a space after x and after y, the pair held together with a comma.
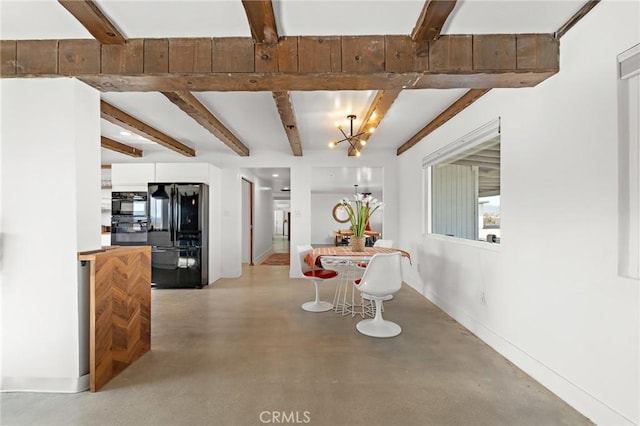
x: 382, y: 278
x: 378, y: 243
x: 317, y: 275
x: 383, y: 243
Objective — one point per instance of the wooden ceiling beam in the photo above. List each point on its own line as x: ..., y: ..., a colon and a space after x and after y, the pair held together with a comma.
x: 119, y: 147
x: 258, y: 82
x: 377, y: 110
x: 432, y: 18
x: 474, y: 94
x: 289, y: 122
x: 126, y: 121
x: 188, y: 103
x: 590, y: 4
x: 464, y: 101
x: 262, y: 20
x: 263, y: 26
x: 294, y: 63
x: 96, y: 22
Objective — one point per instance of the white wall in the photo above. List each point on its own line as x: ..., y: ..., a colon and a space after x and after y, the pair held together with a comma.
x: 553, y: 302
x: 322, y: 218
x: 133, y: 177
x: 51, y: 210
x: 215, y: 224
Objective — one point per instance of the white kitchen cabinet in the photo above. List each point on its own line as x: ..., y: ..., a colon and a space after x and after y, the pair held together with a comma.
x: 132, y: 177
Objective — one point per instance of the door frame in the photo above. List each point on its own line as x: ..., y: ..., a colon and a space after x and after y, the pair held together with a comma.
x: 250, y: 219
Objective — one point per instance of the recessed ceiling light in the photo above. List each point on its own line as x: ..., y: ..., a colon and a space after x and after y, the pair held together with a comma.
x: 275, y: 175
x: 286, y: 188
x: 125, y: 133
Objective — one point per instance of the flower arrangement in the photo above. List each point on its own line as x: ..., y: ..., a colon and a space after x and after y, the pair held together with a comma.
x: 359, y: 211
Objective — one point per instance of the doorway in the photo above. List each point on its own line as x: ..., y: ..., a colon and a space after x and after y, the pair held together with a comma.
x: 331, y: 184
x: 271, y: 204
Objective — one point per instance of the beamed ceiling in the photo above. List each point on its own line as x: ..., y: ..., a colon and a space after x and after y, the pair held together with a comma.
x: 191, y: 78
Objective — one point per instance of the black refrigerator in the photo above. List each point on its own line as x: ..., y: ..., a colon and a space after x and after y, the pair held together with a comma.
x: 178, y: 233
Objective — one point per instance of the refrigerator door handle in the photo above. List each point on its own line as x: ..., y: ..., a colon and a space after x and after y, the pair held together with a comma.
x: 170, y: 211
x: 176, y: 215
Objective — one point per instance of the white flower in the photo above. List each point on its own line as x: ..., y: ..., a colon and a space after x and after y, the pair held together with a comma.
x: 360, y: 210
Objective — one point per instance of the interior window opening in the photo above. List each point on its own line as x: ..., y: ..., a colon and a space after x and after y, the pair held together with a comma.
x: 464, y: 187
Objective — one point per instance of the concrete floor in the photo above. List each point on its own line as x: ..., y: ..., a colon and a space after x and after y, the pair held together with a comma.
x: 242, y: 352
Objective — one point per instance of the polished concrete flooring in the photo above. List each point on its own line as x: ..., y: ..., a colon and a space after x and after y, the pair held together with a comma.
x: 242, y: 352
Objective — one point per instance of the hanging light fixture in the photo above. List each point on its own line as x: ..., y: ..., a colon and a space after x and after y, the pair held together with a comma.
x: 160, y: 193
x: 353, y: 140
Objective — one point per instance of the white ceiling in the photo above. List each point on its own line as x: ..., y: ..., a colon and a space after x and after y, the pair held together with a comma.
x: 252, y: 116
x: 332, y: 180
x: 277, y: 180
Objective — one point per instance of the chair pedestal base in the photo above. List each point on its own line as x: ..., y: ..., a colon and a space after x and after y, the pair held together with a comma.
x: 317, y: 306
x: 378, y: 328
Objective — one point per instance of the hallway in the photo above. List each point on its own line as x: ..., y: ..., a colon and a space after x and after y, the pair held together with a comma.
x: 227, y: 354
x: 281, y: 244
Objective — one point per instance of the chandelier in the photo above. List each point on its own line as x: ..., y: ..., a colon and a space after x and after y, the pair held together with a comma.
x: 353, y: 140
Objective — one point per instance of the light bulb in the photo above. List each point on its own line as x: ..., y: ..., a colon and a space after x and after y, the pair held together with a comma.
x: 363, y: 142
x: 332, y: 144
x: 338, y: 125
x: 372, y: 129
x: 357, y: 153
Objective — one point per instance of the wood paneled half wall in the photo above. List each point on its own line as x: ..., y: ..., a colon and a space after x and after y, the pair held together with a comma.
x: 120, y: 309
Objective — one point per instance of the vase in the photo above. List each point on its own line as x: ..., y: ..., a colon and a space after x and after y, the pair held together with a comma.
x: 357, y: 243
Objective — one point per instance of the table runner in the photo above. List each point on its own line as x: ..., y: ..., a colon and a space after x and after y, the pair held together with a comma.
x: 311, y: 257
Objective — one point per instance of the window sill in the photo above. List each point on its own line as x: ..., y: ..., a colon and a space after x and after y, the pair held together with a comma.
x: 461, y: 241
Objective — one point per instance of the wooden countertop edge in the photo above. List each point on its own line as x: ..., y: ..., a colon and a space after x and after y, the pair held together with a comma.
x: 111, y: 250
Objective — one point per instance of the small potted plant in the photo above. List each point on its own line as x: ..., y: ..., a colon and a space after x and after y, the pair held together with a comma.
x: 360, y: 210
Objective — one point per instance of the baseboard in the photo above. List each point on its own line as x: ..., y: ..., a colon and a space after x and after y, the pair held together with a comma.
x: 45, y: 384
x: 258, y: 260
x: 580, y: 399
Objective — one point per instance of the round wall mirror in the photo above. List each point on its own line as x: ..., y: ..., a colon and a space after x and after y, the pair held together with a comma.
x: 340, y: 214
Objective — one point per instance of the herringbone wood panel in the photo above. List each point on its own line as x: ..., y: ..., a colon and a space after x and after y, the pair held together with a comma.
x: 120, y: 311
